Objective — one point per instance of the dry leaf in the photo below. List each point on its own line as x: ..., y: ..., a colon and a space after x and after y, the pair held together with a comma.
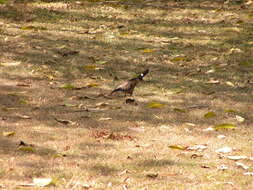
x: 213, y: 81
x: 224, y: 126
x: 177, y: 147
x: 209, y: 129
x: 225, y: 149
x: 102, y: 104
x: 68, y: 86
x: 92, y: 85
x: 8, y: 134
x: 235, y: 50
x: 180, y: 110
x: 154, y: 105
x: 178, y: 58
x: 65, y: 122
x: 24, y: 116
x: 42, y: 182
x: 205, y: 166
x: 241, y: 165
x: 221, y: 136
x: 209, y: 115
x: 30, y: 27
x: 123, y: 172
x: 237, y: 157
x: 7, y: 64
x: 104, y: 119
x: 239, y: 118
x: 193, y: 156
x: 91, y: 67
x: 210, y: 71
x: 26, y: 149
x: 230, y: 84
x: 148, y: 50
x: 248, y: 173
x: 191, y: 124
x: 197, y: 147
x: 125, y: 187
x: 152, y: 175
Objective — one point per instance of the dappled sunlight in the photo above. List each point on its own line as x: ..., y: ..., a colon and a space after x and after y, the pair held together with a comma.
x: 60, y: 61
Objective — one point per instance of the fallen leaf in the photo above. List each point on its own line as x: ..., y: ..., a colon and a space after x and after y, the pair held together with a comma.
x: 205, y: 166
x: 235, y: 50
x: 221, y: 136
x: 225, y: 149
x: 230, y: 84
x: 68, y: 86
x: 42, y: 182
x: 123, y: 172
x: 239, y: 118
x: 191, y: 124
x: 22, y: 101
x: 180, y: 110
x: 154, y: 105
x: 147, y: 50
x: 30, y: 27
x: 178, y: 58
x: 209, y: 129
x: 24, y: 84
x: 237, y: 157
x: 102, y: 104
x: 111, y: 135
x: 152, y: 175
x: 248, y: 173
x: 125, y: 187
x: 193, y: 156
x: 91, y: 67
x: 105, y: 118
x: 7, y: 64
x: 200, y: 147
x: 210, y: 71
x: 69, y: 105
x: 24, y: 116
x: 92, y: 85
x: 26, y: 149
x: 213, y: 81
x: 65, y: 122
x: 8, y: 134
x: 224, y: 126
x: 177, y: 147
x: 85, y: 97
x: 209, y: 115
x: 241, y: 165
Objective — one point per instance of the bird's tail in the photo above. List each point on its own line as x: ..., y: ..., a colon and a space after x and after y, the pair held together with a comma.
x: 140, y: 76
x: 115, y: 90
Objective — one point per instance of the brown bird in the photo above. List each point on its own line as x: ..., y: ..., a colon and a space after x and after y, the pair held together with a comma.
x: 128, y: 86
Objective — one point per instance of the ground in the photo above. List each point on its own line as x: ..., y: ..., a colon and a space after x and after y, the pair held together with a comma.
x: 60, y: 60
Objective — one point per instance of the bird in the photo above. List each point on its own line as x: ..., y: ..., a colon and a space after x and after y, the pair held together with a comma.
x: 128, y: 86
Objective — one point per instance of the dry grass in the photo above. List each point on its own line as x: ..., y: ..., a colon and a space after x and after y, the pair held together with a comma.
x: 185, y: 44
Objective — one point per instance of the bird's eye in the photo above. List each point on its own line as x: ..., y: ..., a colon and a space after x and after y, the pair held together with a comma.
x: 142, y: 74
